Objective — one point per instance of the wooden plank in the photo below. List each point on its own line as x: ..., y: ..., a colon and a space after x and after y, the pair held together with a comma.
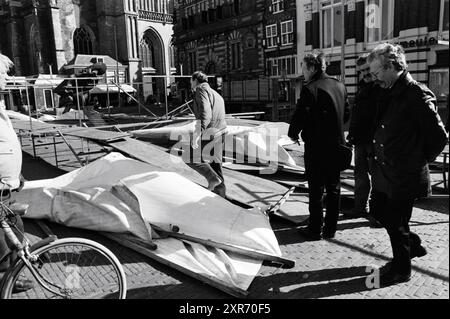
x: 36, y: 126
x: 214, y: 282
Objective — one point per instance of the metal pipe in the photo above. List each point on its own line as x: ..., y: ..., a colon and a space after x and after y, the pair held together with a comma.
x: 70, y: 147
x: 29, y: 107
x: 165, y: 96
x: 78, y: 100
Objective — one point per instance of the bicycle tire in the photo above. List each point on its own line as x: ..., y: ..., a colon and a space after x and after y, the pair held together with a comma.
x: 57, y: 267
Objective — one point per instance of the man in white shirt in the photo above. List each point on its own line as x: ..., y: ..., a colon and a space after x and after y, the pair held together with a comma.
x: 10, y: 177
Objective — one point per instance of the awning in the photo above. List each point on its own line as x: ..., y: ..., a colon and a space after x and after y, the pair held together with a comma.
x: 103, y: 89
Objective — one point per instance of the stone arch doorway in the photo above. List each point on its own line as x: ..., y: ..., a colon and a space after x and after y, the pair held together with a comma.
x: 151, y: 54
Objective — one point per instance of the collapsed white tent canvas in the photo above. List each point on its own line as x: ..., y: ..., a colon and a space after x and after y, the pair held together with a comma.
x: 85, y: 198
x: 262, y: 144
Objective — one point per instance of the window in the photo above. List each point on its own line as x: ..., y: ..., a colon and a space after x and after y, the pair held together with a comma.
x: 282, y: 66
x: 379, y: 23
x: 439, y: 83
x: 184, y: 23
x: 48, y: 96
x: 219, y: 12
x: 271, y: 35
x: 147, y: 53
x: 191, y: 21
x: 204, y: 16
x: 250, y: 42
x: 211, y: 15
x: 331, y: 22
x: 192, y: 62
x: 171, y: 56
x: 82, y: 42
x: 277, y: 6
x: 35, y: 49
x: 236, y: 7
x: 236, y: 56
x: 444, y: 15
x: 287, y: 33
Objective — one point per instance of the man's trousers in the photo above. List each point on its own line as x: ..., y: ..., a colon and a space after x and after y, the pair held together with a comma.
x: 394, y: 214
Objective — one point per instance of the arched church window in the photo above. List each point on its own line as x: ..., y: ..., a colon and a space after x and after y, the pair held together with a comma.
x: 35, y: 49
x: 82, y: 42
x: 172, y: 56
x: 147, y: 52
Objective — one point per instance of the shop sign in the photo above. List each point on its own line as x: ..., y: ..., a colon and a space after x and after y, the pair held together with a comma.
x: 419, y: 42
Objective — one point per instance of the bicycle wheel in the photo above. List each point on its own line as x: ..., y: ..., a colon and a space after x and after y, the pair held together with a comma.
x: 73, y: 267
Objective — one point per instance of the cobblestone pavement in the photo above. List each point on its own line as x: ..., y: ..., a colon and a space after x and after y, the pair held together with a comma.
x: 334, y: 268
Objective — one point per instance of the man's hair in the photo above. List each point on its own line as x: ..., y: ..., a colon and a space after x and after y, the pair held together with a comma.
x: 362, y: 59
x: 388, y: 53
x: 200, y: 77
x: 316, y: 60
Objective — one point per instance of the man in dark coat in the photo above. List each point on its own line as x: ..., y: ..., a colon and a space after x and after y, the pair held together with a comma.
x: 321, y: 113
x: 361, y: 135
x: 207, y: 143
x: 409, y: 134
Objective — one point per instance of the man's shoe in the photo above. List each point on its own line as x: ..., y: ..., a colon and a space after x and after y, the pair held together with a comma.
x: 386, y: 268
x: 417, y: 252
x: 392, y: 277
x: 328, y: 234
x: 420, y: 251
x: 309, y: 235
x: 23, y: 285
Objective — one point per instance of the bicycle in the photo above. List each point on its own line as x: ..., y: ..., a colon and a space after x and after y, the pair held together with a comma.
x: 68, y: 268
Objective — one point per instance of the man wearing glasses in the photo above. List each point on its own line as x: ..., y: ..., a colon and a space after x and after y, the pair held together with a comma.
x: 361, y: 136
x: 409, y: 134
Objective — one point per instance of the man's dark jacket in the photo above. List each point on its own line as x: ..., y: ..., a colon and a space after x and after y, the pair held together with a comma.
x: 321, y: 113
x: 364, y: 110
x: 409, y: 134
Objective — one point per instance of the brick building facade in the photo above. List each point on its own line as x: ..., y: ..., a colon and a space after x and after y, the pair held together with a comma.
x: 220, y: 37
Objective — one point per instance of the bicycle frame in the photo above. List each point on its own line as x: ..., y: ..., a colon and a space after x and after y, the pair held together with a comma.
x: 23, y: 250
